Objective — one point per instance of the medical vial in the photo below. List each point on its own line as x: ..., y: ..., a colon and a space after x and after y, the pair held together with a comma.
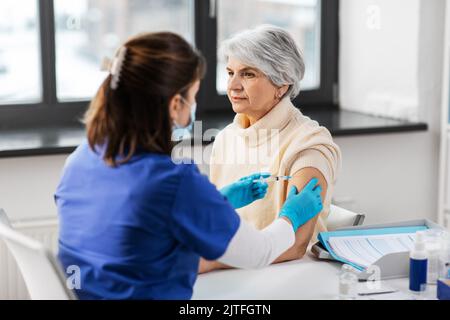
x: 348, y: 282
x: 418, y: 264
x: 433, y: 248
x: 433, y: 266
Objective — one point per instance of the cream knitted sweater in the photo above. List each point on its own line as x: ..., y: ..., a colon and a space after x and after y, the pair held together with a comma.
x: 282, y: 142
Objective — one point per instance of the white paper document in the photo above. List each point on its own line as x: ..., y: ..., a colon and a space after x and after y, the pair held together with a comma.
x: 365, y: 250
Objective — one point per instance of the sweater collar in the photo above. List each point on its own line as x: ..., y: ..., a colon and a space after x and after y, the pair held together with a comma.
x: 275, y: 119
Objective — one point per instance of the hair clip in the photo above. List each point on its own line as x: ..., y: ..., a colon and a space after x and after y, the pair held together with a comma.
x: 114, y: 66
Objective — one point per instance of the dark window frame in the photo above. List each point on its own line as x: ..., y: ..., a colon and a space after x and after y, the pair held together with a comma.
x: 51, y: 112
x: 48, y: 112
x: 325, y: 97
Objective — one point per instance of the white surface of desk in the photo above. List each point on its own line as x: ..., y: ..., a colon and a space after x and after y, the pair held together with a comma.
x: 305, y: 279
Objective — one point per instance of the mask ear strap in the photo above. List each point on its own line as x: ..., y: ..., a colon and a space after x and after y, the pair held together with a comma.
x: 184, y: 100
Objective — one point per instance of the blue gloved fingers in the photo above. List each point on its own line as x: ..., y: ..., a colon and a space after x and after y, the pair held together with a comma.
x: 264, y: 174
x: 292, y: 192
x: 259, y: 185
x: 261, y: 191
x: 311, y: 184
x: 301, y: 207
x: 260, y: 196
x: 244, y: 191
x: 246, y: 183
x: 256, y: 176
x: 318, y: 189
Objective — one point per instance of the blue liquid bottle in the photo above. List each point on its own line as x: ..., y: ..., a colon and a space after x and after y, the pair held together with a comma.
x: 418, y: 262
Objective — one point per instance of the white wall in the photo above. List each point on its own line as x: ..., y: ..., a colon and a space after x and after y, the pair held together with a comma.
x: 392, y: 176
x: 27, y: 185
x: 389, y: 177
x: 379, y: 53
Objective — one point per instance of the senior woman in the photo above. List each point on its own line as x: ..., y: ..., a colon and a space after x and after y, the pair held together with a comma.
x: 269, y: 133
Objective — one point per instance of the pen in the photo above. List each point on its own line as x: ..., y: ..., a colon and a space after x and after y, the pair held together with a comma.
x: 374, y: 293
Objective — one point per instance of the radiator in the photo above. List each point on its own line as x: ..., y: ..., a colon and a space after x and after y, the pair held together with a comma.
x: 12, y: 286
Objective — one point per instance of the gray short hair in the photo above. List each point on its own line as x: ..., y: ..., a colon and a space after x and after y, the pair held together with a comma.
x: 273, y: 51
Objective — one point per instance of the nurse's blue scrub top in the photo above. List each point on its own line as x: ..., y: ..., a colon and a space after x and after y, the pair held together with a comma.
x: 137, y: 230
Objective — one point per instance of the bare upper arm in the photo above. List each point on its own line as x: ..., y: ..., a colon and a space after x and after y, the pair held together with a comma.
x: 300, y: 179
x: 305, y: 232
x: 303, y: 176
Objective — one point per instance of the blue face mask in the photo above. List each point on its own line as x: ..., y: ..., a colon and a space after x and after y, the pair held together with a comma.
x: 178, y: 131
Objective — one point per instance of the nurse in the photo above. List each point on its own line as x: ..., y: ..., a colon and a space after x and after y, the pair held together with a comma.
x: 133, y: 221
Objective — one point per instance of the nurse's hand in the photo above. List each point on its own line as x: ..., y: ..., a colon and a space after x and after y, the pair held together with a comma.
x: 245, y: 190
x: 301, y: 207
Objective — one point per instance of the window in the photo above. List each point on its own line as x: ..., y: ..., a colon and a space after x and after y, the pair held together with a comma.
x: 52, y: 49
x: 19, y: 52
x: 88, y: 30
x: 313, y: 24
x: 300, y: 17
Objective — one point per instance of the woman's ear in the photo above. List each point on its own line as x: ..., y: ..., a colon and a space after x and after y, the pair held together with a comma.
x: 282, y: 91
x: 174, y: 107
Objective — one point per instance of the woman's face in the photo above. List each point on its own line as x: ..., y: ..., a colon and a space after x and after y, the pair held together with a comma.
x: 250, y: 91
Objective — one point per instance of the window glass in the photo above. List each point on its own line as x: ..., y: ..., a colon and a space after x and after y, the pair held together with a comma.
x: 88, y: 30
x: 301, y: 18
x: 20, y: 58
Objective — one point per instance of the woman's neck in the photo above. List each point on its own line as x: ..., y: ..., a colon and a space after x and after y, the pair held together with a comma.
x: 251, y: 119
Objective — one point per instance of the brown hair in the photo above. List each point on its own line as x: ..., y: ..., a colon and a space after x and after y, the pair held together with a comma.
x: 135, y: 115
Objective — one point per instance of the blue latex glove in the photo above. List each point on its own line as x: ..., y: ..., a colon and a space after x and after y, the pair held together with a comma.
x: 244, y: 191
x: 301, y: 207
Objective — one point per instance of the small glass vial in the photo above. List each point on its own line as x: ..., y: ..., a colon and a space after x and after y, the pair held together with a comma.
x: 433, y: 247
x: 444, y: 256
x: 348, y: 282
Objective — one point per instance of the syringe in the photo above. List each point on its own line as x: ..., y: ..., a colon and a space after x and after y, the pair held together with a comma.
x: 273, y: 179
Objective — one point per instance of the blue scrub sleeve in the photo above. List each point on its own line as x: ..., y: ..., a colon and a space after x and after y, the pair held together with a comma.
x: 202, y: 219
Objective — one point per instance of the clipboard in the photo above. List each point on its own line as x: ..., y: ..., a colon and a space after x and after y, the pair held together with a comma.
x: 393, y: 265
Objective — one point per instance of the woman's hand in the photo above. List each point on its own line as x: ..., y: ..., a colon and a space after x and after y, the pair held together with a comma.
x: 246, y: 190
x: 205, y: 266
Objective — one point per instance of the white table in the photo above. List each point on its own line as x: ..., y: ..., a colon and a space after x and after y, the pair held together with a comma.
x: 307, y: 278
